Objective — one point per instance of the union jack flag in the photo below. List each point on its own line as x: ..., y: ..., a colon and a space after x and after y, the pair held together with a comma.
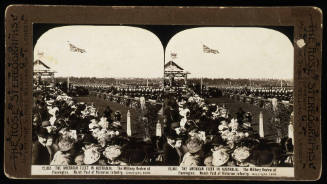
x: 73, y: 48
x: 206, y: 49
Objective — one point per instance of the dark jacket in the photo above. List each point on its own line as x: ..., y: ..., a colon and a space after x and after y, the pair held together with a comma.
x: 170, y: 155
x: 40, y: 154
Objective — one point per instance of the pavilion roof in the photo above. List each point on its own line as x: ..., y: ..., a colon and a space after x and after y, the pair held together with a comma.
x: 173, y: 67
x: 40, y: 65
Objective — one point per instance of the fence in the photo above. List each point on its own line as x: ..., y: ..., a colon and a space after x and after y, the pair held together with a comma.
x: 266, y: 104
x: 124, y: 100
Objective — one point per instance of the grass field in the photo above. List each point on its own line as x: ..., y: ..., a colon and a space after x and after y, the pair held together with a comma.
x: 234, y: 106
x: 101, y: 104
x: 138, y: 128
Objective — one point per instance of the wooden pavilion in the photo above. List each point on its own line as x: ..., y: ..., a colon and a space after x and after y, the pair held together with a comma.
x: 42, y: 71
x: 172, y: 71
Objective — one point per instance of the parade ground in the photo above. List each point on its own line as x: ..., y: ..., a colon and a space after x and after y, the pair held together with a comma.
x: 233, y: 107
x: 101, y: 104
x: 138, y: 127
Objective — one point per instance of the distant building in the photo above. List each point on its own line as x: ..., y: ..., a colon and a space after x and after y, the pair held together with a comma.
x: 172, y: 71
x: 41, y: 71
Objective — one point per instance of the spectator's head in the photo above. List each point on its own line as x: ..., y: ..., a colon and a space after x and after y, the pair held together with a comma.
x: 248, y: 117
x: 117, y: 116
x: 79, y: 159
x: 179, y: 141
x: 188, y: 114
x: 194, y: 144
x: 42, y: 135
x: 287, y: 144
x: 171, y: 138
x: 208, y: 161
x: 66, y: 143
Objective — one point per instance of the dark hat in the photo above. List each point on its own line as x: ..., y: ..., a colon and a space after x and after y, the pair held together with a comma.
x: 134, y: 156
x: 89, y: 139
x: 261, y: 155
x: 182, y: 137
x: 59, y: 122
x: 42, y: 132
x: 248, y: 142
x: 81, y: 107
x: 191, y: 125
x: 217, y: 141
x: 220, y: 119
x: 118, y: 140
x: 171, y: 135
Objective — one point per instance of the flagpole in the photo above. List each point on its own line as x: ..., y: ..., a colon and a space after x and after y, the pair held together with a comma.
x: 201, y: 84
x: 67, y: 84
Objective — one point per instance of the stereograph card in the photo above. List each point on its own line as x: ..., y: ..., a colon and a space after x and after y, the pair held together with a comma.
x: 163, y: 92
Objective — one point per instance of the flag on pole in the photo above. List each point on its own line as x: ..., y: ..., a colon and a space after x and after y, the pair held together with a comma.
x: 206, y: 49
x: 73, y: 48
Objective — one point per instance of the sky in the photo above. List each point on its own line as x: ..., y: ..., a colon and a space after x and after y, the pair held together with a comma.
x: 124, y: 51
x: 243, y: 52
x: 111, y: 51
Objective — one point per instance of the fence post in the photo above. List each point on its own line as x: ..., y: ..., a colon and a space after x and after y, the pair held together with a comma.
x: 142, y: 103
x: 158, y: 129
x: 261, y: 131
x: 128, y: 129
x: 274, y: 104
x: 291, y: 128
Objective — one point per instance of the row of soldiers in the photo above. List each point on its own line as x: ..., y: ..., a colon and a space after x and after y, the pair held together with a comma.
x: 146, y: 92
x: 285, y: 94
